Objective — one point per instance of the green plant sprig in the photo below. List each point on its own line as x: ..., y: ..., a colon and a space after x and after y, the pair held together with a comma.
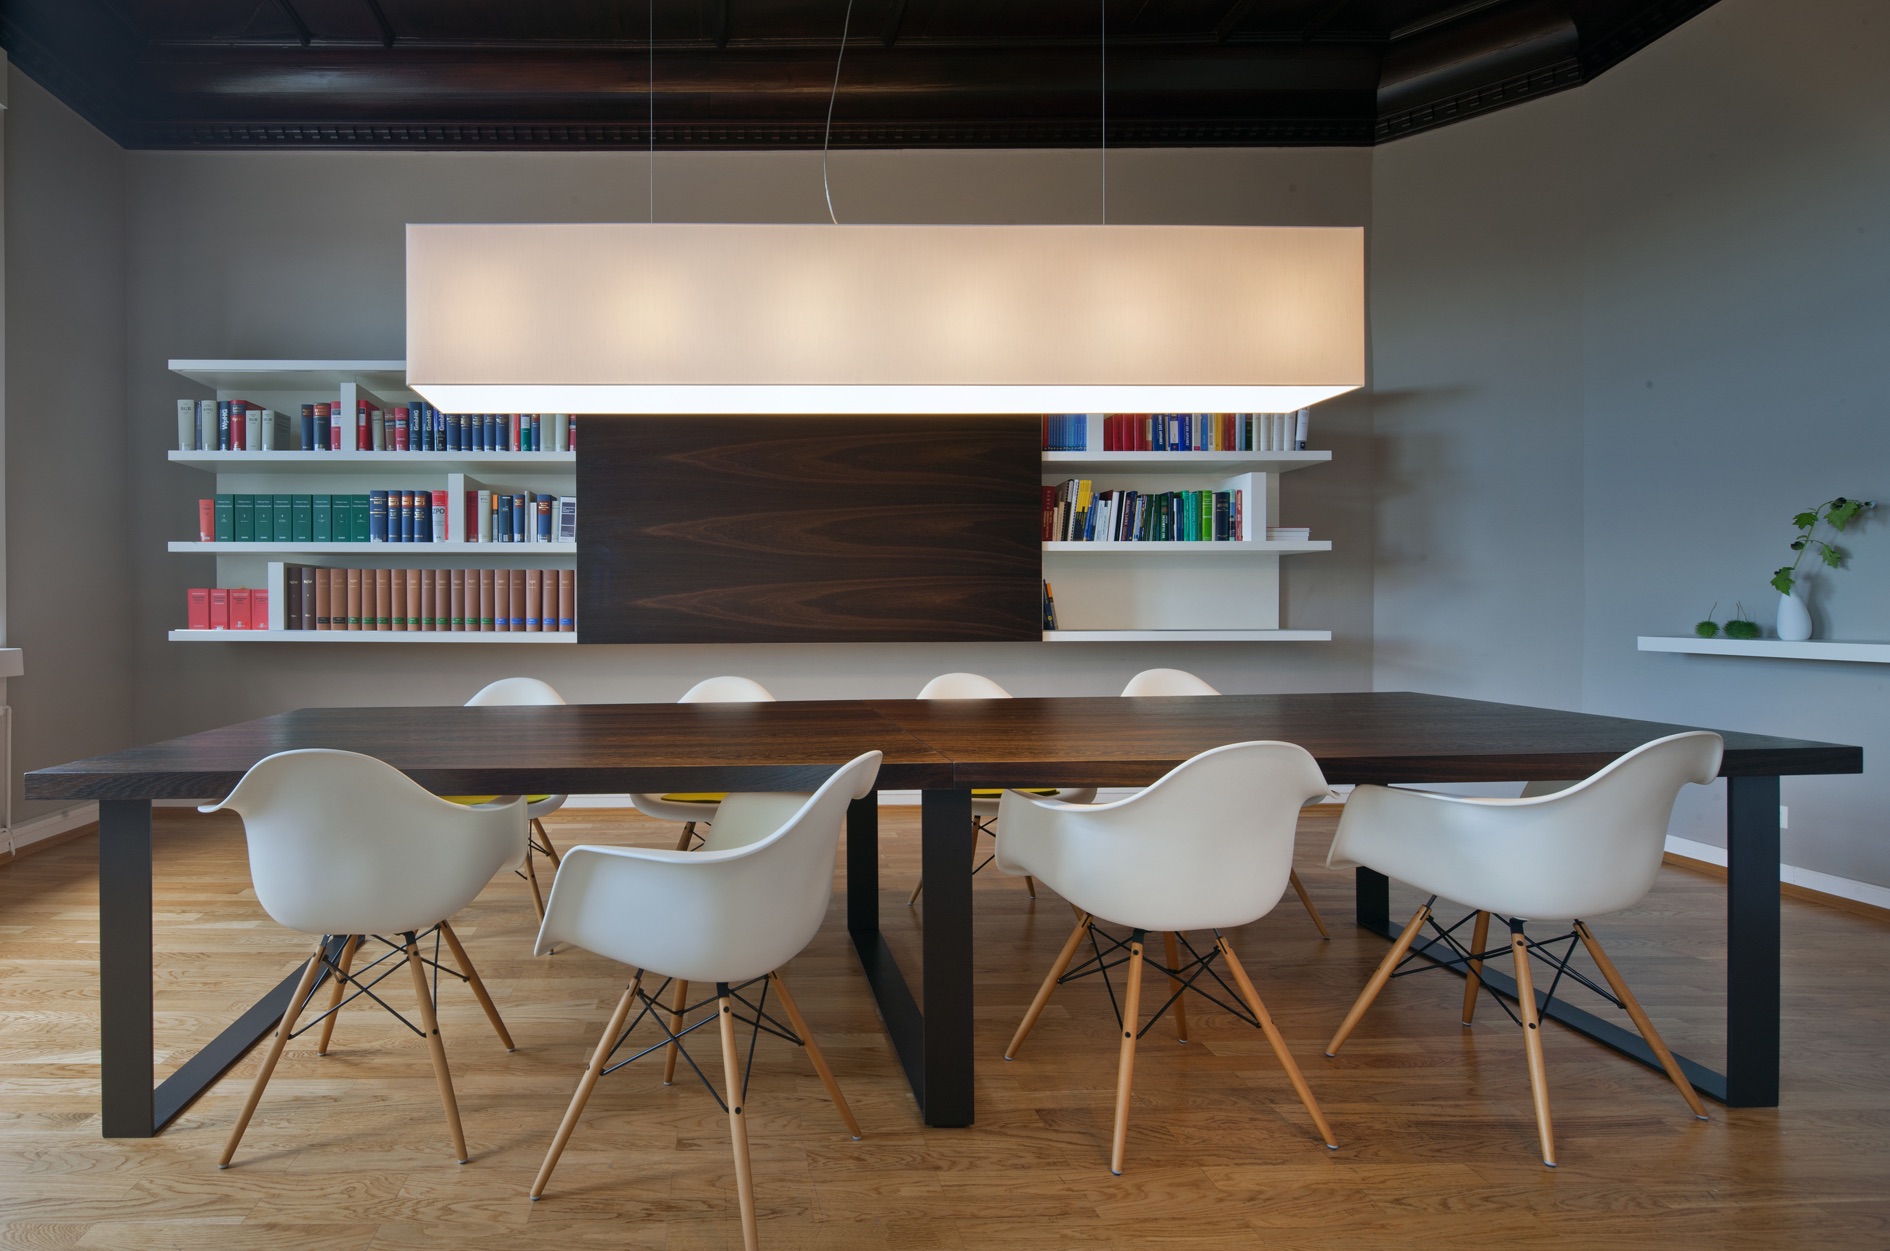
x: 1837, y: 514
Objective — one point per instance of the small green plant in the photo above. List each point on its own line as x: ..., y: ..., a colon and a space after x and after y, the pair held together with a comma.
x: 1741, y: 626
x: 1837, y: 514
x: 1709, y: 628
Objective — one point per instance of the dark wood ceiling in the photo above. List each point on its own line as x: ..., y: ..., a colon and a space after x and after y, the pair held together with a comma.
x: 756, y: 73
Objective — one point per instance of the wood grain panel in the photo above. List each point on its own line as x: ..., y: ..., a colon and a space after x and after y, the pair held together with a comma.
x: 809, y: 529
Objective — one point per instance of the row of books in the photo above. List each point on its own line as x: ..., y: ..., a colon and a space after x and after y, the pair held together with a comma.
x: 1075, y: 512
x: 240, y: 426
x: 227, y: 608
x: 1180, y: 432
x: 415, y: 515
x: 471, y: 600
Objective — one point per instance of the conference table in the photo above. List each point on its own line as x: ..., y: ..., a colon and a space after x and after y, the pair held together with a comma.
x: 943, y: 749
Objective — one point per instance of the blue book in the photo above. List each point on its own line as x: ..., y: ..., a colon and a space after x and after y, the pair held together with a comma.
x: 518, y: 518
x: 377, y: 517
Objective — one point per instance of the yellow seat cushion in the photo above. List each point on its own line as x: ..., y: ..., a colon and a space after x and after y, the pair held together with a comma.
x: 993, y: 794
x: 486, y: 799
x: 703, y: 797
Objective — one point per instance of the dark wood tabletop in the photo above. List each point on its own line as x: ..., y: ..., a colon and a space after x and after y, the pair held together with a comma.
x: 613, y: 748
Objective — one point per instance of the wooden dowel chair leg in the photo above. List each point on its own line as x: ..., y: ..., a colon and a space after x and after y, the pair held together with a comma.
x: 1125, y: 1060
x: 1057, y: 970
x: 1299, y: 888
x: 586, y: 1084
x: 544, y: 841
x: 478, y: 986
x: 1380, y: 976
x: 1473, y: 975
x: 1532, y: 1040
x: 436, y: 1047
x: 1640, y: 1019
x: 303, y: 989
x: 688, y: 832
x: 914, y: 896
x: 345, y: 963
x: 1030, y: 884
x: 819, y: 1061
x: 1175, y: 988
x: 737, y: 1120
x: 670, y: 1052
x: 1278, y: 1043
x: 531, y: 880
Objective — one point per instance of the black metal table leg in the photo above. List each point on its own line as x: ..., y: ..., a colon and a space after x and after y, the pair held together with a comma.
x: 124, y: 968
x: 1752, y: 942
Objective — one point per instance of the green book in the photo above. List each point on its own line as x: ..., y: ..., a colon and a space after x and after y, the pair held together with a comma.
x: 265, y: 518
x: 357, y: 518
x: 284, y: 508
x: 243, y: 519
x: 323, y: 528
x: 226, y: 518
x: 304, y: 514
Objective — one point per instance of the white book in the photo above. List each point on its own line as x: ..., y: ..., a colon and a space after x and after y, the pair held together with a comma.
x: 1301, y: 420
x: 186, y: 425
x: 485, y: 518
x: 377, y: 430
x: 567, y: 519
x: 207, y: 425
x: 439, y: 516
x: 560, y: 431
x: 253, y: 429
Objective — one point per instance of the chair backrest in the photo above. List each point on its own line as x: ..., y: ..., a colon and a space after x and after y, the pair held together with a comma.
x: 962, y: 686
x: 1167, y: 682
x: 718, y: 914
x: 727, y: 690
x: 512, y: 692
x: 341, y: 843
x: 1209, y: 845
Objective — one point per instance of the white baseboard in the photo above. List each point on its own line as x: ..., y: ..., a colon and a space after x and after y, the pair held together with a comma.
x: 1810, y: 879
x: 53, y: 824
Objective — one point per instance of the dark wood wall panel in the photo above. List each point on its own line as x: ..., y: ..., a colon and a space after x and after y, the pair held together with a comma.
x: 887, y: 529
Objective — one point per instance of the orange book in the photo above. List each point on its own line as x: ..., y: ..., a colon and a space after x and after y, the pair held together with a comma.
x: 485, y: 599
x: 518, y: 599
x: 322, y: 600
x: 502, y: 599
x: 442, y: 599
x: 567, y: 599
x: 337, y: 599
x: 383, y: 599
x: 354, y: 599
x: 534, y: 599
x: 413, y: 599
x: 459, y: 599
x: 428, y: 619
x: 397, y: 582
x: 548, y: 607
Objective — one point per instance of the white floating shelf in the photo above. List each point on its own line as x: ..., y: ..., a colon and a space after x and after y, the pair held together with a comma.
x: 1774, y: 649
x: 381, y: 377
x: 1250, y: 547
x: 1216, y: 463
x: 510, y: 550
x: 1187, y: 636
x: 372, y: 636
x: 377, y: 462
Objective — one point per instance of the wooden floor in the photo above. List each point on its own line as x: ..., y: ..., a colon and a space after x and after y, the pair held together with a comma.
x: 1437, y: 1144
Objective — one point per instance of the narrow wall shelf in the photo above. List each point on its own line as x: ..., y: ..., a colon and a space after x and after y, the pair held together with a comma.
x: 1187, y: 636
x: 1217, y: 463
x: 1774, y: 649
x: 1250, y: 547
x: 360, y: 462
x: 382, y: 377
x: 512, y: 551
x: 371, y: 636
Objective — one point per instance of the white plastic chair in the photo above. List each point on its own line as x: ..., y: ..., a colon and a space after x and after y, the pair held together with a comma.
x: 1564, y: 850
x: 1207, y: 847
x: 523, y: 692
x: 984, y: 802
x: 694, y: 809
x: 730, y: 914
x: 1154, y: 682
x: 348, y: 847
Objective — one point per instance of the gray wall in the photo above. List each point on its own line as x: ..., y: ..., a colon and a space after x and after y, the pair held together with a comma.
x: 1620, y: 336
x: 300, y: 255
x: 68, y: 570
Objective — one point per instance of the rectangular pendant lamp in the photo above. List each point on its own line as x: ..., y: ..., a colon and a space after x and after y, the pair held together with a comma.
x: 685, y: 318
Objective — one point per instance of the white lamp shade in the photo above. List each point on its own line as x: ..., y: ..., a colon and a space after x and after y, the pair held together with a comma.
x: 681, y: 318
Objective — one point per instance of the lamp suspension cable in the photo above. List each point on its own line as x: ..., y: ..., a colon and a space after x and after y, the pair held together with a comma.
x: 1103, y: 8
x: 650, y: 95
x: 826, y: 140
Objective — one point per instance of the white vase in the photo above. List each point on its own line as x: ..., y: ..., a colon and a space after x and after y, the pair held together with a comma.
x: 1794, y: 621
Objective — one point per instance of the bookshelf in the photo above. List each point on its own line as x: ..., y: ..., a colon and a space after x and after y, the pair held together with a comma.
x: 1177, y: 592
x: 285, y: 385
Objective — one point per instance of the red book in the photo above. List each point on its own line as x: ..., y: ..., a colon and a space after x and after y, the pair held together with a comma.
x: 399, y: 443
x: 219, y: 608
x: 239, y: 426
x: 206, y: 521
x: 259, y: 608
x: 240, y: 609
x: 518, y: 422
x: 198, y: 614
x: 363, y: 428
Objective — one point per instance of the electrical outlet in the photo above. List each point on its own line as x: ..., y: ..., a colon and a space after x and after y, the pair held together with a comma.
x: 1784, y: 817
